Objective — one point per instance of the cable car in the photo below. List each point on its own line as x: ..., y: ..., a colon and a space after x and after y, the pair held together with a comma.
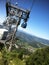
x: 23, y: 25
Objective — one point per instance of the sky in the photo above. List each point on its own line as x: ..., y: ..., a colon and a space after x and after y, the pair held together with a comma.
x: 38, y: 22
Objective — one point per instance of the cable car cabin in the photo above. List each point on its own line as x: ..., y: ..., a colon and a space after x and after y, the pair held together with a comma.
x: 14, y: 16
x: 18, y: 12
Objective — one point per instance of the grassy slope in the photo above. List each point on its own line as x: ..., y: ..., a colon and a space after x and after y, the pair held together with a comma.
x: 39, y: 57
x: 11, y: 58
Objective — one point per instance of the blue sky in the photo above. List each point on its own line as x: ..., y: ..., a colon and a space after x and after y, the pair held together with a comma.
x: 38, y: 23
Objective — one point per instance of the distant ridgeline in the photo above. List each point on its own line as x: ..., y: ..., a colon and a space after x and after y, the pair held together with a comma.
x: 30, y: 38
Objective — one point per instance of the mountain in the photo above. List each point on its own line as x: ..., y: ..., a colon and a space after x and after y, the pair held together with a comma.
x: 32, y: 40
x: 28, y: 38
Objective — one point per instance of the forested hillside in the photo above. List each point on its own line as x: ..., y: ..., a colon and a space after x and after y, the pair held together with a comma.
x: 24, y: 57
x: 40, y: 57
